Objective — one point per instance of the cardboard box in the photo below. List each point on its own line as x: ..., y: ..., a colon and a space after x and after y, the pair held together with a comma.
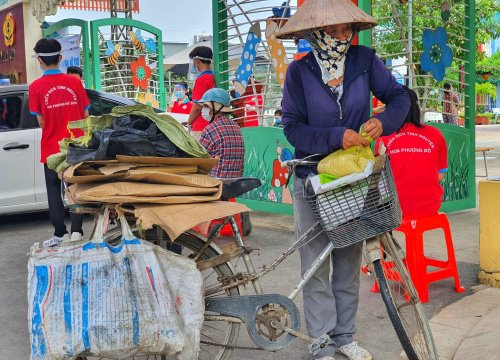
x: 176, y: 219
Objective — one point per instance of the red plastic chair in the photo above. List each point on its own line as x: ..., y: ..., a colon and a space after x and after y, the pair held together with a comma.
x: 417, y: 262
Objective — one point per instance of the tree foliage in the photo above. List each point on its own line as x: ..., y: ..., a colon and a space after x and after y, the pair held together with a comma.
x: 486, y: 89
x: 489, y: 64
x: 393, y: 36
x: 394, y: 17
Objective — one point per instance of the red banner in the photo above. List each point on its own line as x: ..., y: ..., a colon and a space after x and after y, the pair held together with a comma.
x: 98, y: 5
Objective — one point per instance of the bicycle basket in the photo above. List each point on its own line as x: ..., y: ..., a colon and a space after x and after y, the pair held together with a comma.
x: 358, y: 211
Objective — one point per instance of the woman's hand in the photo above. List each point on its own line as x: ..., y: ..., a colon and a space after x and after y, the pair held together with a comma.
x: 352, y: 138
x: 373, y: 128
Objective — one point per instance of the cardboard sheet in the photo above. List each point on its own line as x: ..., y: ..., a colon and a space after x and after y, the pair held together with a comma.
x: 91, y: 172
x: 204, y: 164
x: 131, y: 193
x: 156, y: 177
x: 176, y: 219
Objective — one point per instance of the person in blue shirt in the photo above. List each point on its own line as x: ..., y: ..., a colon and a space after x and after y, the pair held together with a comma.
x: 326, y: 99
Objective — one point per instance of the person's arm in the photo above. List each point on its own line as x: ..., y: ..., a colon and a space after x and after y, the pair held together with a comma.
x: 40, y: 120
x: 195, y: 112
x: 84, y: 99
x: 208, y: 142
x: 199, y: 88
x: 299, y: 133
x: 385, y: 88
x: 34, y: 105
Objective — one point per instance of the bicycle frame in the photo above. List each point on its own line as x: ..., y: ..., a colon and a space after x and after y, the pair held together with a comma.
x: 372, y: 245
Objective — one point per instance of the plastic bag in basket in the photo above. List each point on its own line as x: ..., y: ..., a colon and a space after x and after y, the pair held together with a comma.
x: 346, y: 162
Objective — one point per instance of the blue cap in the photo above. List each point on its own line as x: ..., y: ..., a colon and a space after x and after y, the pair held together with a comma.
x: 217, y: 95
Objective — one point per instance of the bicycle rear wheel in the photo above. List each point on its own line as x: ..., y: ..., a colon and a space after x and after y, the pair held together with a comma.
x: 403, y: 304
x: 213, y: 332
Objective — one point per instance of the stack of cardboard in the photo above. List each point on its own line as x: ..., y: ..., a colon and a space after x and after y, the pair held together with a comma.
x: 173, y: 193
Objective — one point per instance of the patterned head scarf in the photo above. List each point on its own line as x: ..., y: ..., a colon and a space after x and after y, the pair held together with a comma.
x: 330, y: 52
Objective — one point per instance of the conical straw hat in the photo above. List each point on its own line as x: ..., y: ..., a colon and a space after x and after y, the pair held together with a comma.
x: 315, y: 14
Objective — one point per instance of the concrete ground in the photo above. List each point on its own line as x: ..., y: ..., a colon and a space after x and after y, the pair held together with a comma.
x: 271, y: 235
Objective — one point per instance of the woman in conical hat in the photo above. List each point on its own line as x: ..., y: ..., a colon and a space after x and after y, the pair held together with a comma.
x: 326, y: 100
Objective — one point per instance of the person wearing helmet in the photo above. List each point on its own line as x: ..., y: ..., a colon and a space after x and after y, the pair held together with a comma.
x: 326, y: 99
x: 222, y: 136
x: 182, y: 105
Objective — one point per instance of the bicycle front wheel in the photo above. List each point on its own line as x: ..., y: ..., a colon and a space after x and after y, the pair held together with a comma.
x: 403, y: 304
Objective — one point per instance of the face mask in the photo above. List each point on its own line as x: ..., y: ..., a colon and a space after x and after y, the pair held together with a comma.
x: 330, y: 52
x: 277, y: 119
x: 179, y: 95
x: 205, y: 114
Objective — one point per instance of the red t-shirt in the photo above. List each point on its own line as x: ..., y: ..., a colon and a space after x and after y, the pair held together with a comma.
x: 203, y: 83
x: 252, y: 117
x: 417, y: 156
x: 58, y: 98
x: 182, y: 108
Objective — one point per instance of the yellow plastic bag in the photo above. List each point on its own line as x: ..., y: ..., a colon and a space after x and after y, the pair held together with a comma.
x: 346, y: 162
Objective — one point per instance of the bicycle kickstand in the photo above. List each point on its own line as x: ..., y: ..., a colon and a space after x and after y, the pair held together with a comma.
x: 315, y: 345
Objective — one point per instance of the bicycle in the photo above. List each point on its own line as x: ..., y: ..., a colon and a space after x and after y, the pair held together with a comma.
x: 370, y: 210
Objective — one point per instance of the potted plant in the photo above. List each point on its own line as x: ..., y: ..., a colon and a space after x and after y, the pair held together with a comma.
x: 481, y: 90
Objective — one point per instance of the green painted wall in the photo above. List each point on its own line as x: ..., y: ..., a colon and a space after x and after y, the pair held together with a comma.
x: 459, y: 192
x: 262, y: 160
x: 264, y: 149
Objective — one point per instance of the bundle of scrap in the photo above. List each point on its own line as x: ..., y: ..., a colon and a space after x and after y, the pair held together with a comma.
x: 174, y: 193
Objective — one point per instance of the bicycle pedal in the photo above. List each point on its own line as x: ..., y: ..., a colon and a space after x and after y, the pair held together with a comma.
x: 319, y: 344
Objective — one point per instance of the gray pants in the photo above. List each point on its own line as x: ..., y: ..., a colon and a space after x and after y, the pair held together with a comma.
x: 330, y: 303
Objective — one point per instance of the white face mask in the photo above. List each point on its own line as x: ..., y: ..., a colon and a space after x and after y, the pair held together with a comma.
x: 205, y: 113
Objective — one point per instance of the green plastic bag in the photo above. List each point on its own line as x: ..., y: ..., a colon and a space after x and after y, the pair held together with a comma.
x: 346, y: 162
x: 168, y: 125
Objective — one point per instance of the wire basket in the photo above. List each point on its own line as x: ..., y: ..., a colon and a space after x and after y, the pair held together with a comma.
x: 359, y: 211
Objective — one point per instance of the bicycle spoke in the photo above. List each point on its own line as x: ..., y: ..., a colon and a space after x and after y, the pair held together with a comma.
x: 405, y: 311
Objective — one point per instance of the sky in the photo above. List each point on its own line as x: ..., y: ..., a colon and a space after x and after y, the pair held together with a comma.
x: 179, y: 20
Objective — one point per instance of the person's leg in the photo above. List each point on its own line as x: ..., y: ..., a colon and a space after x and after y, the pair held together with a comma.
x: 56, y: 207
x: 346, y: 264
x: 76, y: 223
x: 319, y: 302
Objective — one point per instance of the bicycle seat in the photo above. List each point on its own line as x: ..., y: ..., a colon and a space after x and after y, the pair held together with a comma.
x: 232, y: 188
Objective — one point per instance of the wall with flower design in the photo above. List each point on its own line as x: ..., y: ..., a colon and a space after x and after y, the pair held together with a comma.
x: 122, y: 65
x: 427, y: 44
x: 129, y: 66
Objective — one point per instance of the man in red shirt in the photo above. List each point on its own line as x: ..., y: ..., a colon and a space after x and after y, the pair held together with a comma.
x: 202, y: 60
x: 56, y: 99
x: 419, y: 162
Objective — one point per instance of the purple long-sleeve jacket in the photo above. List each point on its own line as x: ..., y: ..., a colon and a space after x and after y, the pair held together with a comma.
x: 315, y: 122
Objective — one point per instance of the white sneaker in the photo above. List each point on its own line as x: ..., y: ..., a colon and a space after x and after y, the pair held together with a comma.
x: 355, y: 352
x: 55, y: 240
x: 326, y: 358
x: 76, y: 236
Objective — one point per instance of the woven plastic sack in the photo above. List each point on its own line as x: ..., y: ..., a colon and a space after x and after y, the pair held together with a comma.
x: 94, y: 299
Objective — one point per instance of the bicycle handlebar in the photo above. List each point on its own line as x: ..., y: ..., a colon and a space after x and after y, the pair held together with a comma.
x: 298, y: 162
